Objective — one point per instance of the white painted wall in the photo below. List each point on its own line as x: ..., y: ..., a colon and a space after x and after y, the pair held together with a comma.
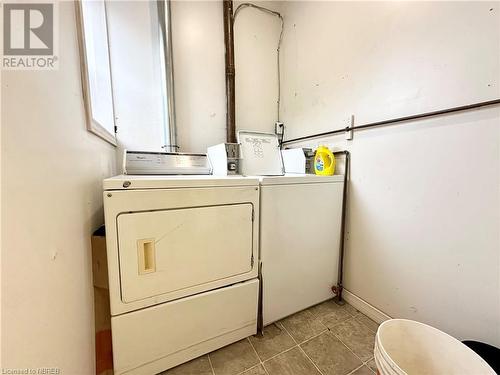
x: 199, y: 71
x: 424, y: 205
x: 256, y: 36
x: 380, y: 60
x: 52, y: 171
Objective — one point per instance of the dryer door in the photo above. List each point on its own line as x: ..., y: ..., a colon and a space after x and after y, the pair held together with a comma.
x: 177, y: 251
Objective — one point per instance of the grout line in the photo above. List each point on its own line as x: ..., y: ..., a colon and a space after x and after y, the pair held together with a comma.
x: 283, y: 352
x: 258, y: 357
x: 318, y: 319
x: 280, y: 326
x: 343, y: 343
x: 298, y: 345
x: 210, y: 362
x: 302, y: 350
x: 356, y: 369
x: 255, y: 351
x: 366, y: 364
x: 251, y: 368
x: 313, y: 337
x: 286, y: 330
x: 314, y: 364
x: 353, y: 316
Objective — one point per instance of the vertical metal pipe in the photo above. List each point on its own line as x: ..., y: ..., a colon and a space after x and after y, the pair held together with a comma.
x: 337, y: 289
x: 165, y: 19
x: 170, y: 79
x: 227, y: 7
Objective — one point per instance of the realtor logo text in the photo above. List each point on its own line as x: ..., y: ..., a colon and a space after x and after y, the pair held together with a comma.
x: 29, y: 36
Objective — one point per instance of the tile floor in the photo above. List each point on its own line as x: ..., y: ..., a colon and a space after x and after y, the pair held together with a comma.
x: 326, y: 339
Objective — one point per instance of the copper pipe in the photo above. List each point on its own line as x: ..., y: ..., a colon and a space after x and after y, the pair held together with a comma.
x: 227, y: 7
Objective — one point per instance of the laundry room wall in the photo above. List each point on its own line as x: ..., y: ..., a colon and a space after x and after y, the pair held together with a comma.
x: 199, y: 71
x: 52, y: 170
x: 256, y: 36
x: 424, y: 198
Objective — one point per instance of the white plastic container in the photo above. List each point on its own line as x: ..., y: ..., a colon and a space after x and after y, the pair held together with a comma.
x: 260, y: 154
x: 408, y: 347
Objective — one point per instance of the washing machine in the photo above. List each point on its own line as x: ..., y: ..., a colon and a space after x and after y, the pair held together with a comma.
x: 300, y: 221
x: 182, y: 257
x: 300, y: 224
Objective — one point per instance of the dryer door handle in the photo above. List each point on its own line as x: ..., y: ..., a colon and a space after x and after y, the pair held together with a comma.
x: 146, y: 256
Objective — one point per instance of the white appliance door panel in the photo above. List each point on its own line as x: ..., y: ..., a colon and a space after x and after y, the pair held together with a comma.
x: 154, y: 339
x: 300, y: 238
x: 168, y: 251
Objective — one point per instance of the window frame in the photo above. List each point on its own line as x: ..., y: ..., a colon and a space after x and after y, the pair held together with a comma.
x: 92, y: 124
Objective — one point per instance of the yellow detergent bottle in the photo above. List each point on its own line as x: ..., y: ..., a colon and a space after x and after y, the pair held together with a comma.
x: 324, y: 161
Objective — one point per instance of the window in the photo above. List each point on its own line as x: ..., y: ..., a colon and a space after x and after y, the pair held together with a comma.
x: 127, y: 72
x: 96, y: 70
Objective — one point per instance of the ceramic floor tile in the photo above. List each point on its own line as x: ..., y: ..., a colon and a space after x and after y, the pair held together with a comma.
x: 303, y: 325
x: 359, y: 338
x: 292, y: 362
x: 273, y: 341
x: 367, y: 322
x: 257, y: 370
x: 329, y: 313
x: 363, y: 370
x: 234, y: 358
x: 330, y: 355
x: 372, y: 365
x: 198, y: 366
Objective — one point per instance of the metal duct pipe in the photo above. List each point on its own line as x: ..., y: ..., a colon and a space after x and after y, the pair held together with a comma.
x: 227, y: 7
x: 164, y: 16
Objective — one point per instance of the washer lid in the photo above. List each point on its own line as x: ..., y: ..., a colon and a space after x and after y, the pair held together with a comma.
x: 132, y: 182
x: 295, y: 178
x: 260, y: 154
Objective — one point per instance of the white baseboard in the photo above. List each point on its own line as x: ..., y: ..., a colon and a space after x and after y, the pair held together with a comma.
x: 363, y: 306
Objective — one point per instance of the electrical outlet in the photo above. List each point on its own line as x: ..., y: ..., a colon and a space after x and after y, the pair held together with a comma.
x: 279, y: 128
x: 348, y: 124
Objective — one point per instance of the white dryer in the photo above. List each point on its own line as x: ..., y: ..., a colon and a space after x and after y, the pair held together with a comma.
x: 182, y: 258
x: 300, y: 221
